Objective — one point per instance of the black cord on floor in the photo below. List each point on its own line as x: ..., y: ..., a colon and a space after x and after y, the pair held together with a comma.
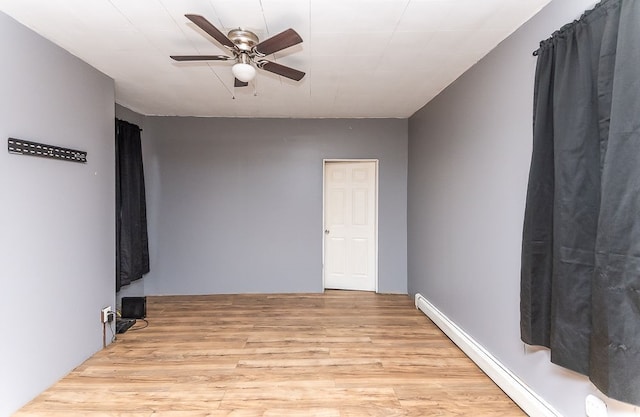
x: 140, y: 328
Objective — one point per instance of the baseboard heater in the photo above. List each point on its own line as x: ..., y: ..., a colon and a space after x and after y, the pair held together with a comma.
x: 514, y: 387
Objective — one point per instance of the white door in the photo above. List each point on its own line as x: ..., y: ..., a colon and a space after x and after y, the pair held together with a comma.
x: 350, y: 225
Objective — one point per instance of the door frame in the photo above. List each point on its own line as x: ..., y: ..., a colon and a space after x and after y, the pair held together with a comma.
x: 375, y: 220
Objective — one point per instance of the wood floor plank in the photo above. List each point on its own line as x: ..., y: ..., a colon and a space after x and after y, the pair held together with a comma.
x: 305, y: 398
x: 336, y: 354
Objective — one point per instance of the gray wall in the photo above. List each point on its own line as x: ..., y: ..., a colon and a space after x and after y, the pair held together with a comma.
x: 470, y: 151
x: 130, y: 116
x: 235, y: 205
x: 56, y: 218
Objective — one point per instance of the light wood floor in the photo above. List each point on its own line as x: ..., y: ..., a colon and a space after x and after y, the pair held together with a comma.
x: 338, y: 354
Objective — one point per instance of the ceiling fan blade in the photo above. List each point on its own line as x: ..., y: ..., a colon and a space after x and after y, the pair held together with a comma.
x: 278, y: 42
x: 200, y: 57
x: 238, y: 83
x: 285, y: 71
x: 213, y: 31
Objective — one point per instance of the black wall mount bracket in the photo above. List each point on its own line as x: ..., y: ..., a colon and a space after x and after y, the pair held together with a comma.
x: 25, y: 147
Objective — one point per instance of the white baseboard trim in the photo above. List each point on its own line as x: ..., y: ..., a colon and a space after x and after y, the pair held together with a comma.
x: 514, y: 387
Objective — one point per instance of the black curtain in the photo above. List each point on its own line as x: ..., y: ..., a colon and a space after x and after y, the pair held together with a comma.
x: 580, y: 280
x: 132, y: 244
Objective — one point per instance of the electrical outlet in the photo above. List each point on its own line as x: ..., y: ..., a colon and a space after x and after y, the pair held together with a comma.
x: 595, y: 407
x: 104, y: 314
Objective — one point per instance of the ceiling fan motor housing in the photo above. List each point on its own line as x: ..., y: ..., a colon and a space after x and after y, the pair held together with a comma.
x: 244, y: 40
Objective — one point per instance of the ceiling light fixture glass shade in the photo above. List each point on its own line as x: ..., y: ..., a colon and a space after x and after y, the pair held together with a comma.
x: 243, y: 72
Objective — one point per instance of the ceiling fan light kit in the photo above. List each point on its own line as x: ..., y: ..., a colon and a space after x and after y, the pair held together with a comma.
x: 243, y: 72
x: 248, y: 52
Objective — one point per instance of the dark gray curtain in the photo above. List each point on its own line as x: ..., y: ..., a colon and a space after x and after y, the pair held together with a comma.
x: 132, y: 245
x: 580, y: 281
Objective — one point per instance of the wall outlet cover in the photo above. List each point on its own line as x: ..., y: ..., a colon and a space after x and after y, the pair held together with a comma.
x: 104, y: 314
x: 595, y: 407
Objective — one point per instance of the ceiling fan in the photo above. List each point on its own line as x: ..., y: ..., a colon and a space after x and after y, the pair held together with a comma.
x: 247, y: 51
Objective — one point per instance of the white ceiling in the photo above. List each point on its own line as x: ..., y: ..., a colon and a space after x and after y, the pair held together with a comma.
x: 363, y: 58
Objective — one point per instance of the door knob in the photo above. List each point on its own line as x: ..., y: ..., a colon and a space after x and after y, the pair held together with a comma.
x: 326, y: 231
